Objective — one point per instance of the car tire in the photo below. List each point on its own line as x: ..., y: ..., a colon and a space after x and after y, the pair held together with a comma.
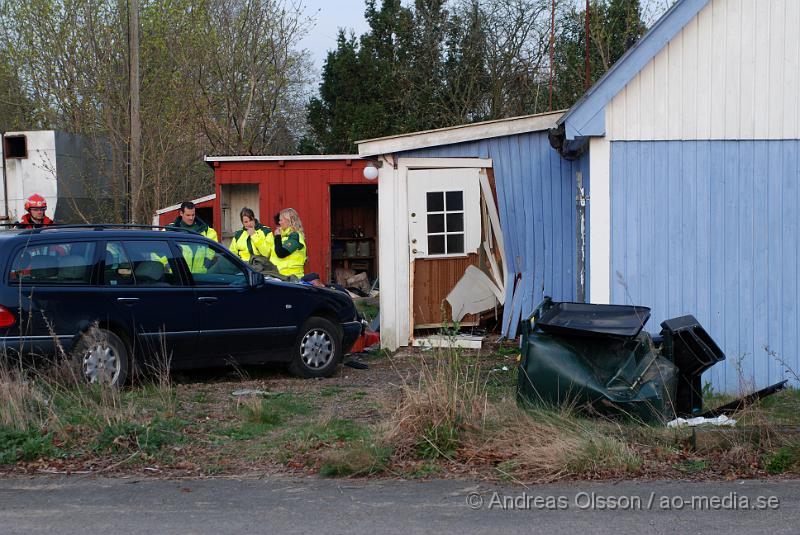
x: 318, y: 349
x: 103, y: 357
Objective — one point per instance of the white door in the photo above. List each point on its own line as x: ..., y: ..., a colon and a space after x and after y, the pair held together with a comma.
x: 444, y: 232
x: 444, y: 212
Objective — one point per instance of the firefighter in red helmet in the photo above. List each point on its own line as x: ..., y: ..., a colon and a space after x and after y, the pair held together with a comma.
x: 36, y: 205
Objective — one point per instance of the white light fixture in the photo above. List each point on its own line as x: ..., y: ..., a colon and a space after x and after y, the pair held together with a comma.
x: 371, y: 171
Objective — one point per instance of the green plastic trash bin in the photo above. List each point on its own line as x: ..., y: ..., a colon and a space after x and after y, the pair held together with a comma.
x: 595, y: 358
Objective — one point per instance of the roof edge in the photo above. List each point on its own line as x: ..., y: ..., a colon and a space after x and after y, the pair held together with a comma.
x: 278, y: 158
x: 458, y: 134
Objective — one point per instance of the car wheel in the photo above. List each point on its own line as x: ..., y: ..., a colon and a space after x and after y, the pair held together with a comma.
x: 318, y: 349
x: 103, y: 357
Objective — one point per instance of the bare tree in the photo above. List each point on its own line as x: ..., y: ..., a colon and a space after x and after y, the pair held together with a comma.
x: 216, y: 76
x: 253, y: 82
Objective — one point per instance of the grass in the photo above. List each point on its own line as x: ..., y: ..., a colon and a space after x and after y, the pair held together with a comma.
x: 258, y: 416
x: 149, y: 438
x: 447, y: 412
x: 331, y: 391
x: 693, y: 467
x: 50, y: 404
x: 785, y: 459
x: 462, y: 413
x: 361, y: 459
x: 24, y: 445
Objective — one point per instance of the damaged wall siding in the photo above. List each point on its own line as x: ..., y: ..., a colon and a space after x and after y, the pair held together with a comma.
x: 536, y: 199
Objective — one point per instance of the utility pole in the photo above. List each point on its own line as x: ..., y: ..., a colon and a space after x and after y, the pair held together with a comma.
x: 587, y: 82
x: 552, y: 53
x: 135, y: 144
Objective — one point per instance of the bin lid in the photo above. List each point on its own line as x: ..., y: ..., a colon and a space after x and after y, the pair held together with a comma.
x: 586, y: 319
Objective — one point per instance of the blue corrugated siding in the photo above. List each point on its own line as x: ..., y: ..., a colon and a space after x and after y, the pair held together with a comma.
x: 536, y: 192
x: 710, y: 228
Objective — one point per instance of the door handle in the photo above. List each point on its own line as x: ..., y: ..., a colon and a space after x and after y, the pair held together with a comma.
x: 128, y: 300
x: 207, y: 300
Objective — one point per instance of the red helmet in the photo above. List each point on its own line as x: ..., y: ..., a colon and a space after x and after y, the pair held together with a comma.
x: 35, y: 201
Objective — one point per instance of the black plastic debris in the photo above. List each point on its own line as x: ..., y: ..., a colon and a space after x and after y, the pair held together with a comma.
x: 741, y: 403
x: 687, y: 344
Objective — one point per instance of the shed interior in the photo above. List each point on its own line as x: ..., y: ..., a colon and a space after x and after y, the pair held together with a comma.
x: 354, y: 230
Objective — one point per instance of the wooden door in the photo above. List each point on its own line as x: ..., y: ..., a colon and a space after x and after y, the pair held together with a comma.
x: 444, y: 237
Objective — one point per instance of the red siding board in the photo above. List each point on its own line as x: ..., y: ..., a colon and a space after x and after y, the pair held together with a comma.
x: 300, y: 184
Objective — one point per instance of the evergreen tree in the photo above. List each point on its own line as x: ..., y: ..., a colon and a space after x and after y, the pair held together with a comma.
x: 442, y: 63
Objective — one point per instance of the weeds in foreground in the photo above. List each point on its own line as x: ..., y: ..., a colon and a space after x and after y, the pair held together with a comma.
x: 448, y: 416
x: 50, y: 404
x: 259, y: 415
x: 449, y: 399
x: 363, y: 459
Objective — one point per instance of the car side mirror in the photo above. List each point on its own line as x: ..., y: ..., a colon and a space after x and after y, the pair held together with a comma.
x: 256, y: 279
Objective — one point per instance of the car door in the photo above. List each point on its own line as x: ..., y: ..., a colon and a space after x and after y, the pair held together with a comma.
x: 144, y: 287
x: 54, y: 300
x: 239, y: 319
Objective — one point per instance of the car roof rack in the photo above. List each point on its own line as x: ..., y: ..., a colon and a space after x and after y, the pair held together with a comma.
x: 103, y: 226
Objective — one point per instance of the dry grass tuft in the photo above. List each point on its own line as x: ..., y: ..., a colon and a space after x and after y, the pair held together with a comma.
x: 447, y: 415
x: 24, y: 406
x: 449, y: 399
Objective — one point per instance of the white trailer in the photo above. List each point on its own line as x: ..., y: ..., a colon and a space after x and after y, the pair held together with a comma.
x: 66, y: 169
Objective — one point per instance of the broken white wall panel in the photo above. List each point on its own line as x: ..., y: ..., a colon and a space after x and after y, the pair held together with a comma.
x: 464, y: 341
x: 474, y: 293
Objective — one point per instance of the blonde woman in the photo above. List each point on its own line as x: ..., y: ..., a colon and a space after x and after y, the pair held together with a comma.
x: 289, y: 254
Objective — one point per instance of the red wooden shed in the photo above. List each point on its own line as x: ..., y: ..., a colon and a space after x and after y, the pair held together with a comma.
x: 337, y: 205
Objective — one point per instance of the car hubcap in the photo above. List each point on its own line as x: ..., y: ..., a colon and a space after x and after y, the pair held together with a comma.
x: 101, y: 364
x: 316, y: 349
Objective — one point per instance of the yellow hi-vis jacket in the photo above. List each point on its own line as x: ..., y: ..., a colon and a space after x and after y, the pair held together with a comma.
x: 260, y: 243
x: 294, y: 263
x: 197, y: 255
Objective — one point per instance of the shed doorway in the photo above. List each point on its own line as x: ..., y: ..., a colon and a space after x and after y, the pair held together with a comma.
x: 234, y: 197
x: 354, y: 234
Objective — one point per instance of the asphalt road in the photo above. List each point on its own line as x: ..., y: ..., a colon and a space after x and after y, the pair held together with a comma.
x: 279, y: 505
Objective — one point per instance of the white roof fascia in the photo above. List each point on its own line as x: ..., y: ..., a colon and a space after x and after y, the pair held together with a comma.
x: 290, y: 158
x: 458, y: 134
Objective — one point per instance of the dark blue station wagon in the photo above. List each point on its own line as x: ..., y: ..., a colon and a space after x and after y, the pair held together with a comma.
x: 115, y: 296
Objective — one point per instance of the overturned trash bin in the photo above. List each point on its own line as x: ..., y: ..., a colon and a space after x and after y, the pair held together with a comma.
x: 597, y: 358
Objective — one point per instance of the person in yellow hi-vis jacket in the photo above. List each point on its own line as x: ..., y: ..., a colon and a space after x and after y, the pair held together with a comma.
x: 199, y: 257
x: 253, y: 239
x: 289, y: 250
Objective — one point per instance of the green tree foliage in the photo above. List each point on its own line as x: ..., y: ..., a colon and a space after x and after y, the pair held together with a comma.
x: 614, y: 27
x: 364, y: 82
x: 439, y: 63
x: 16, y: 109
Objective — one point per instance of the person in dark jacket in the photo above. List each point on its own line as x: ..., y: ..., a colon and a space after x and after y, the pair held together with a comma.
x: 198, y: 258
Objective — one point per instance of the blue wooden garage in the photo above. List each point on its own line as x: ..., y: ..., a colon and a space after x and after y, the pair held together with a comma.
x: 694, y: 146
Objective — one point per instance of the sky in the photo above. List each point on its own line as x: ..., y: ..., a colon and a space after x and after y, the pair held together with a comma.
x: 329, y: 16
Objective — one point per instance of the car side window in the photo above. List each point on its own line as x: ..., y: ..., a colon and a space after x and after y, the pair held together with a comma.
x: 118, y: 270
x: 221, y: 271
x: 53, y: 264
x: 152, y: 263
